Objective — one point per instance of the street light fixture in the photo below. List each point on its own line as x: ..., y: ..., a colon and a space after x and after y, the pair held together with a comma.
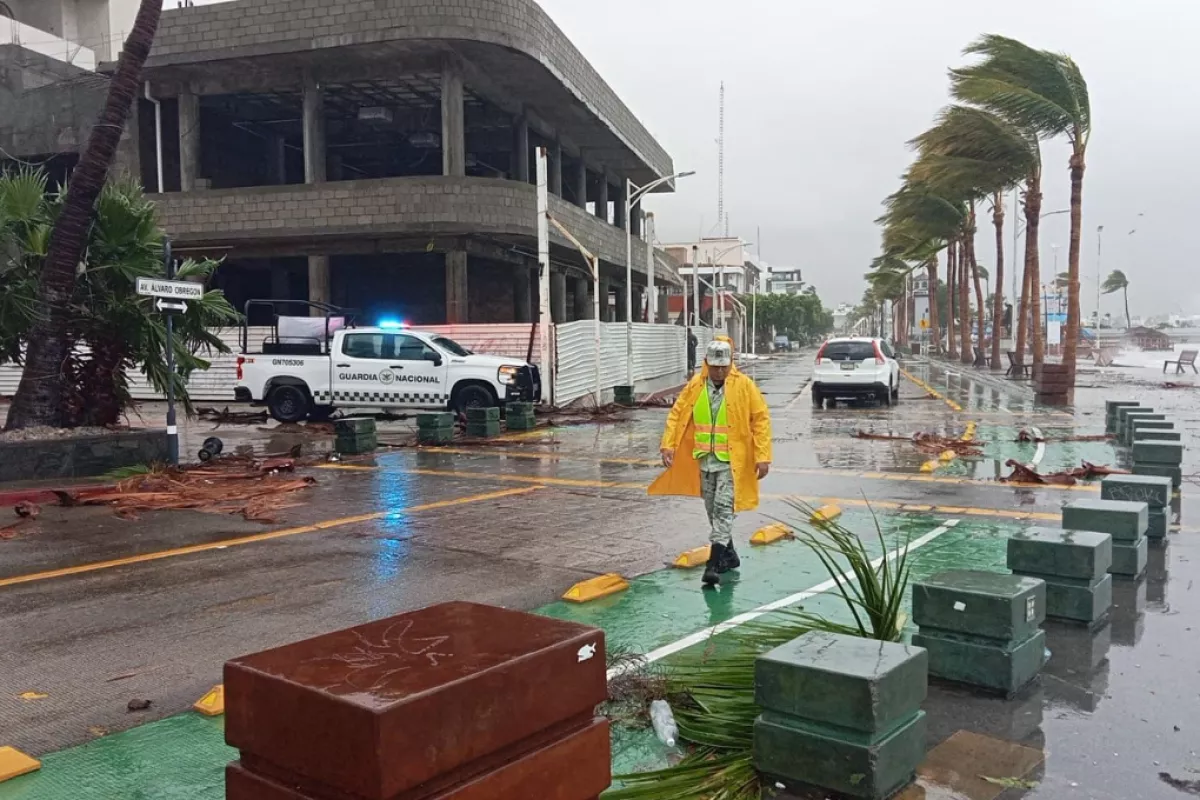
x: 633, y: 196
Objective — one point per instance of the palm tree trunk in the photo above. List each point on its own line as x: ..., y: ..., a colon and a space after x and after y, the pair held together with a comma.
x: 964, y: 303
x: 935, y: 336
x: 1033, y: 218
x: 980, y: 319
x: 1128, y: 319
x: 998, y: 300
x: 1071, y: 335
x: 37, y: 401
x: 952, y: 298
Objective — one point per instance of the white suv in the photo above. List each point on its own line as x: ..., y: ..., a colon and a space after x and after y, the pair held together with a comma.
x: 856, y: 367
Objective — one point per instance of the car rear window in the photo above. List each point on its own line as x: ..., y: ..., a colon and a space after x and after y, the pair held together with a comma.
x: 848, y: 351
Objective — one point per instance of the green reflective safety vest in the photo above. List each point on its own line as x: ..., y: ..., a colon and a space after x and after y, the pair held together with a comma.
x: 711, y: 437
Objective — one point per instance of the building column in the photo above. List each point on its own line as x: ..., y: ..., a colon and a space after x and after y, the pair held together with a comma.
x: 457, y: 303
x: 558, y: 297
x: 189, y: 140
x: 581, y: 183
x: 602, y: 197
x: 664, y: 313
x: 619, y: 305
x: 605, y: 288
x: 522, y: 295
x: 454, y: 140
x: 639, y: 297
x: 635, y: 221
x: 277, y: 160
x: 318, y: 282
x: 583, y: 298
x: 619, y: 204
x: 521, y: 148
x: 556, y: 155
x: 314, y: 131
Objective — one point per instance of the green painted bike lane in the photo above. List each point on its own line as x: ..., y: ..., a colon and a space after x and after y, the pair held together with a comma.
x: 183, y: 757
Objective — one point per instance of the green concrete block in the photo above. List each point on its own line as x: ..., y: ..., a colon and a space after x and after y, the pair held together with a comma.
x: 1146, y: 424
x: 354, y: 426
x: 1157, y: 529
x: 1001, y: 666
x: 483, y: 430
x: 1159, y: 436
x: 490, y: 414
x: 525, y: 423
x: 520, y: 409
x: 838, y: 760
x: 441, y: 420
x: 1078, y: 601
x: 435, y: 436
x: 1110, y: 412
x: 986, y: 604
x: 623, y: 395
x: 1152, y: 490
x: 1126, y: 414
x: 1126, y: 436
x: 1147, y: 452
x: 1053, y: 553
x: 1162, y: 471
x: 859, y: 684
x: 352, y: 445
x: 1124, y: 519
x: 1129, y: 558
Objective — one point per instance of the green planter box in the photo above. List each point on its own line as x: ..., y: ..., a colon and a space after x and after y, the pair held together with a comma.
x: 1132, y: 420
x: 1157, y: 528
x: 979, y: 604
x: 1125, y: 520
x: 1002, y: 666
x: 1124, y: 415
x: 439, y: 421
x: 1086, y: 602
x: 483, y: 430
x: 854, y: 764
x: 1152, y: 490
x: 520, y: 409
x: 524, y: 423
x: 1161, y: 471
x: 1167, y: 453
x: 353, y: 445
x: 1053, y: 553
x: 1129, y: 558
x: 354, y: 426
x: 1110, y: 412
x: 491, y: 414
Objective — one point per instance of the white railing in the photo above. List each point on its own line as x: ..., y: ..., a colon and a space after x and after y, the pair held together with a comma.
x: 47, y: 44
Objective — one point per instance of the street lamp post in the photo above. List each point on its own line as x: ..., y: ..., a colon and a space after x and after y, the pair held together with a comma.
x: 633, y: 196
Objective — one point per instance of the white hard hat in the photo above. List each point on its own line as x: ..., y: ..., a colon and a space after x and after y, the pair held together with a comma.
x: 719, y: 354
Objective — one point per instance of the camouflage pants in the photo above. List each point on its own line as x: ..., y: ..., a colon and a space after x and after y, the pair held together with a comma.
x: 717, y: 490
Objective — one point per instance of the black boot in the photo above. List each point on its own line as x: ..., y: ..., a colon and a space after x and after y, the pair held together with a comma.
x: 729, y: 560
x: 712, y: 569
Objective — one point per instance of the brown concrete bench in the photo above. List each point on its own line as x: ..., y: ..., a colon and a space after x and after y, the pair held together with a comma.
x: 1187, y: 358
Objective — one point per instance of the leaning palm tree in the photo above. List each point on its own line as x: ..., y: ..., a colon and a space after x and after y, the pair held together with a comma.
x: 1117, y: 282
x: 39, y: 395
x: 1045, y: 95
x: 973, y: 152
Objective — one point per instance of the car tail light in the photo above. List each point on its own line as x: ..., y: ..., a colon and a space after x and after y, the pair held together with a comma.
x: 820, y: 353
x: 241, y: 360
x: 879, y: 359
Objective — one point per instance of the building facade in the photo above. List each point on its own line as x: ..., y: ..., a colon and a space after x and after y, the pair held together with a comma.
x: 786, y: 281
x: 380, y: 155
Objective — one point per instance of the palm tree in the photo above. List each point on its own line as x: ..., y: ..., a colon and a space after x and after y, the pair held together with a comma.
x: 1117, y: 282
x: 38, y: 400
x: 1044, y: 94
x: 973, y: 152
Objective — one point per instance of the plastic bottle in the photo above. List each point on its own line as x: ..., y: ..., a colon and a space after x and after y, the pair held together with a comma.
x: 664, y: 722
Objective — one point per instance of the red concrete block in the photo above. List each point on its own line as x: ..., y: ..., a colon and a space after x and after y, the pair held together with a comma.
x: 574, y: 767
x: 397, y: 705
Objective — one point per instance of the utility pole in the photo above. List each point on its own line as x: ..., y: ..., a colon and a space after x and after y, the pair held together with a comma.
x: 543, y: 235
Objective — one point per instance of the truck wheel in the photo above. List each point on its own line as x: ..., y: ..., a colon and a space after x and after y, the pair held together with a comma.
x: 288, y: 404
x: 473, y: 396
x: 818, y: 400
x: 320, y: 413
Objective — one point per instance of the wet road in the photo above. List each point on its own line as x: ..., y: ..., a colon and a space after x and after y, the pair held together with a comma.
x: 100, y: 610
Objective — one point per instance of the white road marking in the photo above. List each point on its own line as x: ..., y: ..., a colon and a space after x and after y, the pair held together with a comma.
x: 741, y: 619
x: 1040, y: 453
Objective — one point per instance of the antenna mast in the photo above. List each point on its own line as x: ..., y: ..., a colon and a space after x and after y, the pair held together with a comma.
x: 721, y: 218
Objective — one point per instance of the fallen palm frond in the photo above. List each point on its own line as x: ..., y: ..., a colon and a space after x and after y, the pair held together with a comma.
x: 927, y: 442
x: 1028, y: 436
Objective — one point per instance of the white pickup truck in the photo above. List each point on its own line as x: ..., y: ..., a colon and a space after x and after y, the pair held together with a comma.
x: 311, y: 366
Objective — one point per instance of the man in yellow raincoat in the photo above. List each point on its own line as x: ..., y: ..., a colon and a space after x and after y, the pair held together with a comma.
x: 717, y: 445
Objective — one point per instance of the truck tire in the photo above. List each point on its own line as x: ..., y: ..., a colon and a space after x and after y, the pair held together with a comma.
x: 474, y: 395
x: 288, y: 403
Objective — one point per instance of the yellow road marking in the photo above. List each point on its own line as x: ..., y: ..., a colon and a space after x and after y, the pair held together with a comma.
x: 595, y: 484
x: 650, y: 462
x: 923, y: 385
x: 258, y: 537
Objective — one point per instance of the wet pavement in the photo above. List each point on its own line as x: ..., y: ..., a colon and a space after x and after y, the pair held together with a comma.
x: 100, y: 610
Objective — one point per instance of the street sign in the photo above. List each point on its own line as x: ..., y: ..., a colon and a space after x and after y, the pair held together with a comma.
x: 924, y: 324
x: 171, y: 306
x: 172, y: 290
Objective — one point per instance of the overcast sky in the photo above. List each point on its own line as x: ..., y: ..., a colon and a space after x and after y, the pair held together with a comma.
x: 821, y: 98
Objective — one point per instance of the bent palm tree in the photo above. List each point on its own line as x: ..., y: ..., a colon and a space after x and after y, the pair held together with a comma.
x: 1045, y: 94
x: 39, y: 395
x: 1117, y: 282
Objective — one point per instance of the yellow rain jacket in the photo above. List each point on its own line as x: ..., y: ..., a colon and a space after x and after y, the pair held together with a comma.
x: 749, y: 440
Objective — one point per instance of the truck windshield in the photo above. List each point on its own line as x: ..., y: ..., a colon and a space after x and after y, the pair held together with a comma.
x: 450, y: 346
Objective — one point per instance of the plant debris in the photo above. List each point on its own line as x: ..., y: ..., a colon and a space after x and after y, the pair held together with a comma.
x: 227, y: 417
x: 1024, y: 474
x: 231, y: 485
x: 928, y: 442
x: 139, y: 705
x: 1028, y: 436
x: 27, y: 510
x: 1188, y: 786
x: 1010, y: 783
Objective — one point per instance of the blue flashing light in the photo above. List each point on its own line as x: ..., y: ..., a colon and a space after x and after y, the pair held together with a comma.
x: 392, y: 324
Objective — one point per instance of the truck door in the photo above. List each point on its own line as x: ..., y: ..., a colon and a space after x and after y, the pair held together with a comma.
x: 362, y: 371
x: 420, y: 373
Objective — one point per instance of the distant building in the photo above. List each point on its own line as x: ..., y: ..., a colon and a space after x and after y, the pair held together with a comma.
x: 841, y: 317
x: 786, y: 281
